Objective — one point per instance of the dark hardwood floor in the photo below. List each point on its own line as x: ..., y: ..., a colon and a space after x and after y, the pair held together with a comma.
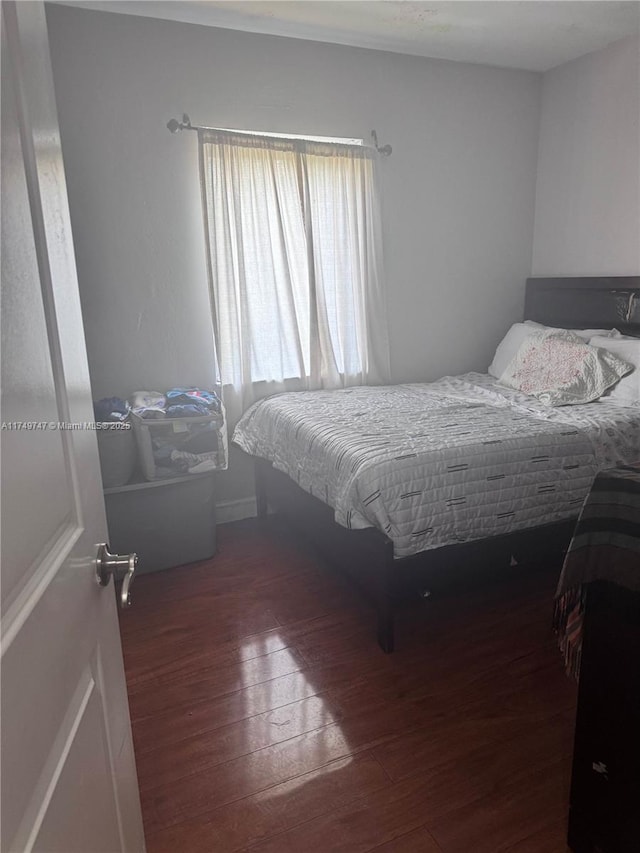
x: 266, y: 718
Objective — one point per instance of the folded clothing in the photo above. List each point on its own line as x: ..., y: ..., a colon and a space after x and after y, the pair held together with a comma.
x: 187, y: 410
x: 194, y: 396
x: 176, y: 403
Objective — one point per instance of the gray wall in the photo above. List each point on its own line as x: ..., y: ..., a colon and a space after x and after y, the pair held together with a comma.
x: 458, y: 191
x: 588, y: 190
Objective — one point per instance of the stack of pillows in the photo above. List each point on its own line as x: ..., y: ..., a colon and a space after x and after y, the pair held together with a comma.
x: 569, y: 366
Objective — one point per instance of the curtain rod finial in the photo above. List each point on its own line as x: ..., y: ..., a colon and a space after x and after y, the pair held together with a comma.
x: 174, y: 125
x: 385, y: 149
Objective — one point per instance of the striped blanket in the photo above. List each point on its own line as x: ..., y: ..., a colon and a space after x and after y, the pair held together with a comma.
x: 605, y: 546
x: 433, y: 464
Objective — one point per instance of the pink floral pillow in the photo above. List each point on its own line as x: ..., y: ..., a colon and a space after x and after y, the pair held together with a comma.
x: 560, y: 369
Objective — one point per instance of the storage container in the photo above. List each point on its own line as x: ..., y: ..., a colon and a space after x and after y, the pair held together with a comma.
x: 173, y: 447
x: 117, y: 450
x: 167, y: 522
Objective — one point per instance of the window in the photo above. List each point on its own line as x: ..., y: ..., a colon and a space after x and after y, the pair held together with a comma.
x: 293, y: 238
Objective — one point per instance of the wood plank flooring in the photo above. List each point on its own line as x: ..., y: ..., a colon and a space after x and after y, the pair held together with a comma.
x: 266, y: 718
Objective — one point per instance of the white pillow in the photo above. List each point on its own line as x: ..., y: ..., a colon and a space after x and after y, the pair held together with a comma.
x: 519, y: 332
x: 508, y: 347
x: 585, y: 334
x: 620, y: 337
x: 560, y: 369
x: 627, y: 390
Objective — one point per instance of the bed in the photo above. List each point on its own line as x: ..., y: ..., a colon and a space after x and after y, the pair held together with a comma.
x: 404, y: 485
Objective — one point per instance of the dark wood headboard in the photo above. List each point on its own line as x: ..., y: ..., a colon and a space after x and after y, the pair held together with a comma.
x: 591, y: 302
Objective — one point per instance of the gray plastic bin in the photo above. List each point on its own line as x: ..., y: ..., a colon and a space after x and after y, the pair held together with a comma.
x: 166, y: 522
x: 172, y: 432
x: 117, y: 450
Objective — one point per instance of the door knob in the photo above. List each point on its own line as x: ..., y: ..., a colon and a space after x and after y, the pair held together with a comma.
x: 121, y: 567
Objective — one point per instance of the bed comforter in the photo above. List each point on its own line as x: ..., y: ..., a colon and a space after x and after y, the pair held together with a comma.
x: 440, y: 463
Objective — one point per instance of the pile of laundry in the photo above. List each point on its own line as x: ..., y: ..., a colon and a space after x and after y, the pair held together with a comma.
x: 177, y: 448
x: 176, y: 403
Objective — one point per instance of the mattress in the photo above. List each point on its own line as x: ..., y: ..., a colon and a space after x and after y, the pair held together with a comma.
x: 456, y: 460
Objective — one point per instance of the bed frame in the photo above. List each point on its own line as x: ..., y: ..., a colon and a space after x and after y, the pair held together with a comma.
x: 367, y: 555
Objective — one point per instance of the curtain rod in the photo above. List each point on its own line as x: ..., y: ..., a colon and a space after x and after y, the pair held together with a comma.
x: 173, y: 125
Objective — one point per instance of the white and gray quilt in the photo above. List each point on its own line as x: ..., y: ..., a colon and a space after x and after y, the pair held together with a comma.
x: 433, y: 464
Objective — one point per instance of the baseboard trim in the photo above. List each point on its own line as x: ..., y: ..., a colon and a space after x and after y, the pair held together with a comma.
x: 235, y: 510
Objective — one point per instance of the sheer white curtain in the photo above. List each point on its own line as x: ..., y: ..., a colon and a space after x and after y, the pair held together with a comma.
x: 295, y: 264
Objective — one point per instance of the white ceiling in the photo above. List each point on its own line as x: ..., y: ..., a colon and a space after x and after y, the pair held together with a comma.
x: 534, y: 35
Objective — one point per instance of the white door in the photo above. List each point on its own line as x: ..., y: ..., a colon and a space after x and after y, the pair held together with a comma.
x: 68, y: 773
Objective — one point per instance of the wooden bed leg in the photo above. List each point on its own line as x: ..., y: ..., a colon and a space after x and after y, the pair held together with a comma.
x: 261, y: 489
x: 385, y: 601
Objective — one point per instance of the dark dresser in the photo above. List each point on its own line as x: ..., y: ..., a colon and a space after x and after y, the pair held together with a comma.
x: 598, y: 621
